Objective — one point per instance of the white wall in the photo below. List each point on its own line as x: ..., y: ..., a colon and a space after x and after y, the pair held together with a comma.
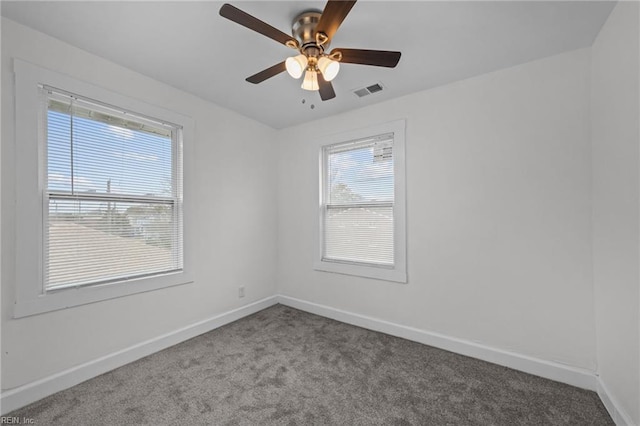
x: 498, y: 212
x: 616, y: 199
x: 229, y: 190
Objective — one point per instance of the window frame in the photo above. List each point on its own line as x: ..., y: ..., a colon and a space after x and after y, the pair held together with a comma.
x: 175, y: 200
x: 32, y: 197
x: 398, y: 271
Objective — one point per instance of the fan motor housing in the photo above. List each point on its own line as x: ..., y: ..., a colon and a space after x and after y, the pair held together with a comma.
x: 303, y: 29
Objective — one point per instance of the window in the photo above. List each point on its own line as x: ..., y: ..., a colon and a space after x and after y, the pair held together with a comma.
x: 361, y: 214
x: 113, y: 193
x: 99, y: 180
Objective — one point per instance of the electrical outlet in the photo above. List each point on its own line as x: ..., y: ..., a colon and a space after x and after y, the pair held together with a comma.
x: 241, y: 291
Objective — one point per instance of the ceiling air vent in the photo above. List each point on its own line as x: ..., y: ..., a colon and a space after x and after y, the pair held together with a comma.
x: 365, y: 91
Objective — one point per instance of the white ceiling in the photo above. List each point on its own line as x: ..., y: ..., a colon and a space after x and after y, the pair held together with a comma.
x: 189, y: 46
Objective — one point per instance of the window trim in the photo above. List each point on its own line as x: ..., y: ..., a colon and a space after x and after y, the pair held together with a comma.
x: 31, y: 155
x: 398, y: 272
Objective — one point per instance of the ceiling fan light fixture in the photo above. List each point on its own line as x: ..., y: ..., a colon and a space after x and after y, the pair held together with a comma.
x: 311, y: 34
x: 329, y: 68
x: 296, y: 65
x: 310, y: 81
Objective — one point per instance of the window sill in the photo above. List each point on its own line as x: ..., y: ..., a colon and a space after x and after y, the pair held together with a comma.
x: 77, y: 296
x: 383, y: 274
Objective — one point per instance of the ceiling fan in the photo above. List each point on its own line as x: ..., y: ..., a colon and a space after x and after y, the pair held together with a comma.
x: 312, y: 32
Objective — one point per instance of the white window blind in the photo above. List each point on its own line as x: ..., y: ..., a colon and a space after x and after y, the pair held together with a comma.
x: 114, y: 193
x: 358, y: 202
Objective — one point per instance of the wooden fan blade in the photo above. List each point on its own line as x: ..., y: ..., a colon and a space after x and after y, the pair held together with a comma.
x: 243, y: 18
x: 325, y: 88
x: 267, y: 73
x: 332, y: 16
x: 378, y: 58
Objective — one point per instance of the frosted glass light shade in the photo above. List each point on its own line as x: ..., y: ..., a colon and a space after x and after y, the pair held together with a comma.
x: 310, y: 81
x: 328, y: 68
x: 296, y: 65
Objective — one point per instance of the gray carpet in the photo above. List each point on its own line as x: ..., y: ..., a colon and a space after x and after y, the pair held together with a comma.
x: 282, y: 366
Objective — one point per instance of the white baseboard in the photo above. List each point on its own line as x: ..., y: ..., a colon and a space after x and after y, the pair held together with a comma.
x: 19, y: 397
x: 581, y: 378
x: 15, y: 398
x: 619, y: 416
